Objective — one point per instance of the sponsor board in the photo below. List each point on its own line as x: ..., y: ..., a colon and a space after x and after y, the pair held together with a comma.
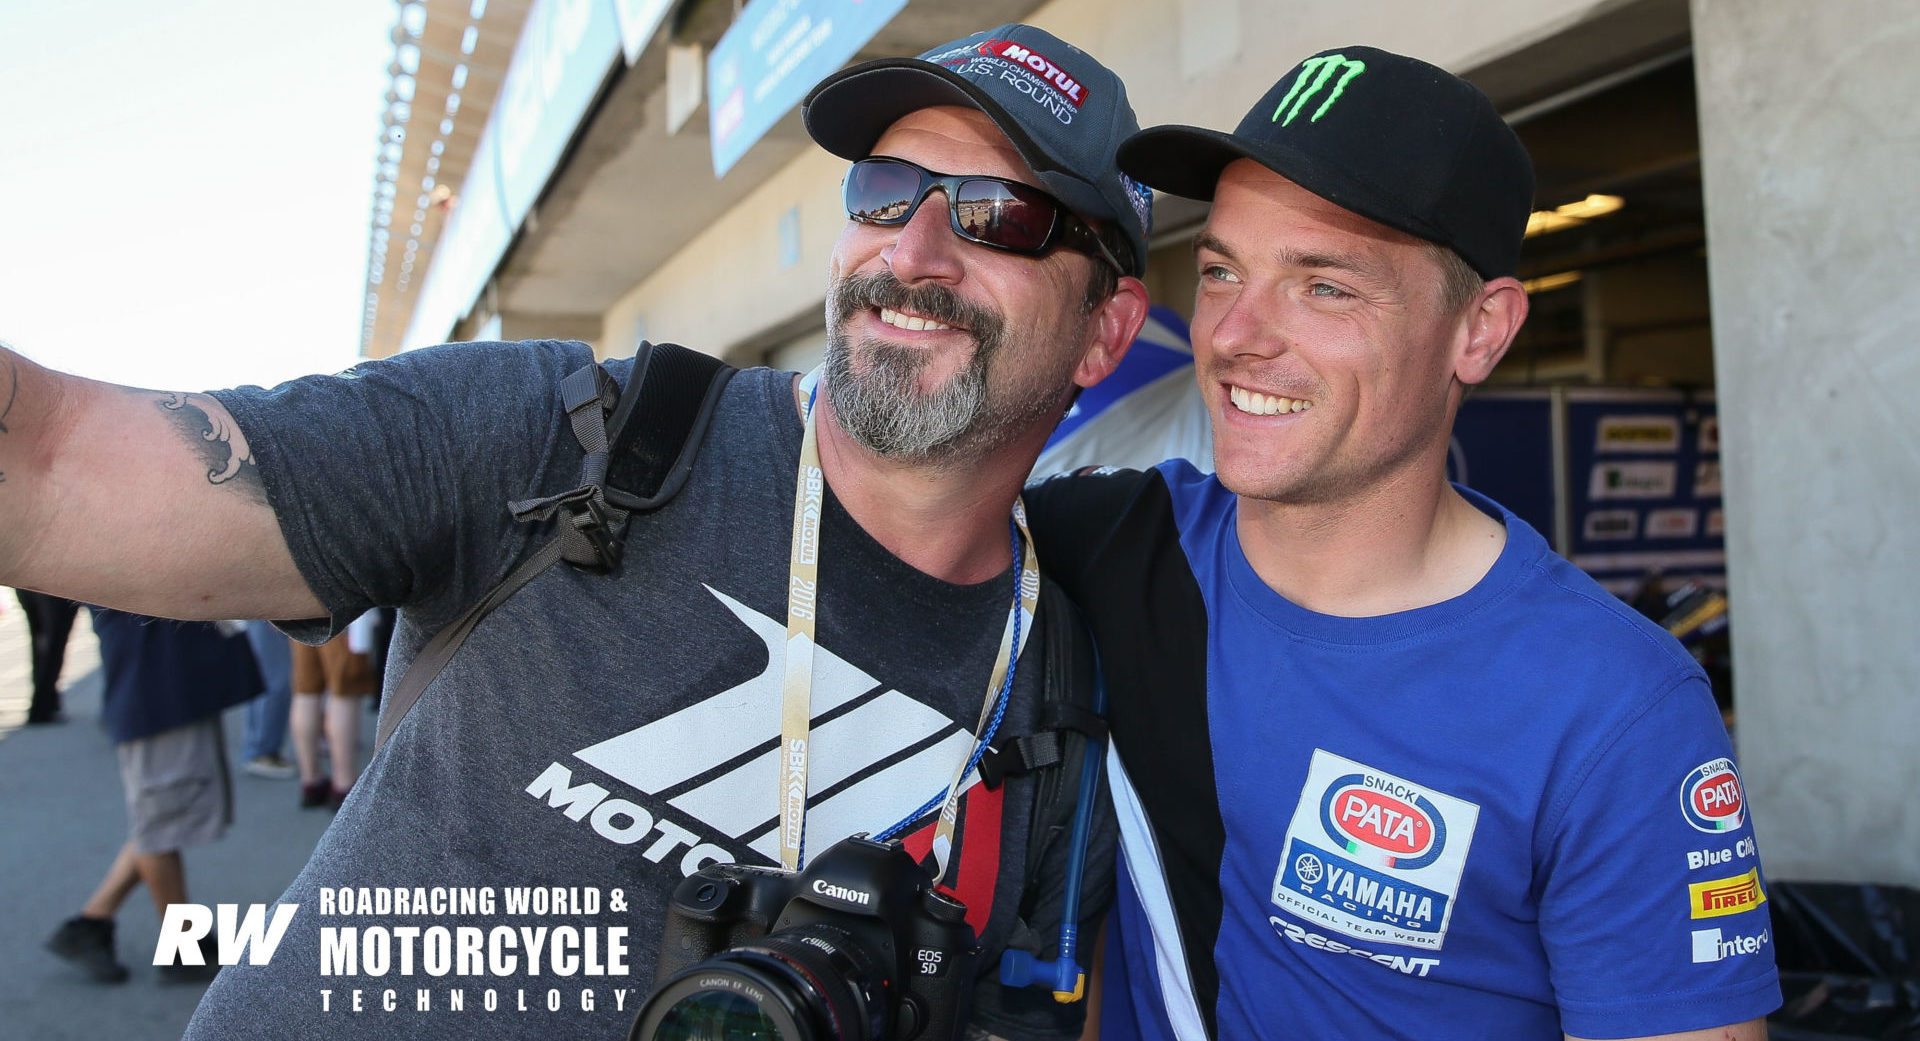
x: 1717, y: 523
x: 1706, y: 479
x: 1712, y: 797
x: 1674, y: 522
x: 1373, y: 856
x: 1640, y: 479
x: 1649, y: 433
x: 1719, y: 897
x: 1612, y: 525
x: 1710, y: 434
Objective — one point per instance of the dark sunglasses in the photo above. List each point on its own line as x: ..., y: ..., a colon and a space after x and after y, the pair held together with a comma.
x: 992, y: 211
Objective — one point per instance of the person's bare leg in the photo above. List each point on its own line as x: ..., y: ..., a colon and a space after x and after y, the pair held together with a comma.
x: 343, y: 738
x: 113, y: 890
x: 304, y: 725
x: 166, y: 877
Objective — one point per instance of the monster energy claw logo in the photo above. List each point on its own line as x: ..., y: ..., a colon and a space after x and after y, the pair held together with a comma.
x: 1325, y: 65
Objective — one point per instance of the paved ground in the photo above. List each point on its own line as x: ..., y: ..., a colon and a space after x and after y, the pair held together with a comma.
x: 62, y: 819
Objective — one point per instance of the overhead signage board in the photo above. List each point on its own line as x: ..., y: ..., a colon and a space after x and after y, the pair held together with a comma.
x: 774, y: 53
x: 563, y: 56
x: 559, y: 63
x: 638, y: 20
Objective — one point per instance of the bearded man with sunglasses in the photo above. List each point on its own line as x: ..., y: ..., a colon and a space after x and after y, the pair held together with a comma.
x: 615, y: 733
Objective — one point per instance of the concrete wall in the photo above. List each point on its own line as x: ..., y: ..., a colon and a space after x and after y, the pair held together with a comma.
x: 1811, y: 146
x: 1208, y: 61
x: 733, y: 282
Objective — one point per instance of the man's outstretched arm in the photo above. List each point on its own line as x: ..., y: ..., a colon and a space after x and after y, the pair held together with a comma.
x: 143, y: 500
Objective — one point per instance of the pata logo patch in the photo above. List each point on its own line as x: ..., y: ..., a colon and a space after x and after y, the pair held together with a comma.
x: 1374, y: 856
x: 1712, y: 798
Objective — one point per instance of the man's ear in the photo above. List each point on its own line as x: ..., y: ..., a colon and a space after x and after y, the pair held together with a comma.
x: 1112, y: 327
x: 1492, y: 321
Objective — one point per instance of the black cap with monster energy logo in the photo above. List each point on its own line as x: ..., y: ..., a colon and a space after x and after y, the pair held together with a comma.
x: 1389, y: 137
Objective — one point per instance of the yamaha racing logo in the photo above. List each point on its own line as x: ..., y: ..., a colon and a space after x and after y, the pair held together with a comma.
x: 1373, y: 856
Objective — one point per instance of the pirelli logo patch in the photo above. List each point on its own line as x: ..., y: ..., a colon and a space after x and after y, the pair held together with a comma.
x: 1724, y: 896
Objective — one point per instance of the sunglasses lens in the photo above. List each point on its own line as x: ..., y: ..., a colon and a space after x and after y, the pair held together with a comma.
x: 880, y: 192
x: 1004, y: 214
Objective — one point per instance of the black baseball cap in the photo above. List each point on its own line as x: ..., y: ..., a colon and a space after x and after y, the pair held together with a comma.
x: 1389, y: 137
x: 1065, y: 112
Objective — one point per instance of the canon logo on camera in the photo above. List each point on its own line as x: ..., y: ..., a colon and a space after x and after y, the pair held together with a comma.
x: 852, y: 896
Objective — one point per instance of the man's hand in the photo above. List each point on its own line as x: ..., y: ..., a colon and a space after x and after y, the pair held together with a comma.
x: 1752, y: 1030
x: 142, y: 500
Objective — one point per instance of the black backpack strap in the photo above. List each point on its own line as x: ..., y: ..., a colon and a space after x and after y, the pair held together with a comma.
x: 1067, y: 727
x: 657, y: 424
x: 589, y: 529
x: 1065, y: 719
x: 1046, y: 746
x: 433, y: 657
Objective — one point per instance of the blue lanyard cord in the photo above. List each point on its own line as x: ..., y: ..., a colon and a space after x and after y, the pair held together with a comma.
x: 999, y: 707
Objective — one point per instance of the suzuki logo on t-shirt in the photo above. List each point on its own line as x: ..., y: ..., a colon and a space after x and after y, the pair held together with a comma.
x: 717, y: 762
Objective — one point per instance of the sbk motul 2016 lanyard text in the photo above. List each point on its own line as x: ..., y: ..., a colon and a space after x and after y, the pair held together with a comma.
x: 803, y: 589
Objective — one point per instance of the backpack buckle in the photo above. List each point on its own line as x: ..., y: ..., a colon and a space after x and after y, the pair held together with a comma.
x: 590, y: 529
x: 594, y: 530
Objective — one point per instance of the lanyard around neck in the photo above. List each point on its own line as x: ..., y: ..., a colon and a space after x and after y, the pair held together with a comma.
x: 803, y: 592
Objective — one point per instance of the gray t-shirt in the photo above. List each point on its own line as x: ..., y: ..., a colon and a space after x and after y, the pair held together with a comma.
x: 598, y: 737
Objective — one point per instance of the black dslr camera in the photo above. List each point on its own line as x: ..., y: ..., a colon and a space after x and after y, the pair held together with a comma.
x: 858, y: 946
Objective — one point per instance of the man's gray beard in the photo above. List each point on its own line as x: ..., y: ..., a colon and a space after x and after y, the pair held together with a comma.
x: 883, y: 407
x: 885, y: 411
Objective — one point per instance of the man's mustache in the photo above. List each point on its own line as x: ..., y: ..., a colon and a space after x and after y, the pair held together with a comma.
x: 929, y: 300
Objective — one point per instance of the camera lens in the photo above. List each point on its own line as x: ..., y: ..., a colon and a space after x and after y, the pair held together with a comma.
x: 812, y: 983
x: 714, y: 1015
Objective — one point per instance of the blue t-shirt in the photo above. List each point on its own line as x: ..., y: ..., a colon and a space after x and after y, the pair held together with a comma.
x: 1509, y: 815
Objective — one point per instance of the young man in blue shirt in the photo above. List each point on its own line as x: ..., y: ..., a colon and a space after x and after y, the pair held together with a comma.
x: 1386, y: 767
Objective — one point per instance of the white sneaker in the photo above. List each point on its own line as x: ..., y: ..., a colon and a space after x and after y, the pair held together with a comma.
x: 271, y: 767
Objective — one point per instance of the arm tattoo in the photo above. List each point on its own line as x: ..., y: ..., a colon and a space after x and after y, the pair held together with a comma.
x: 223, y: 447
x: 13, y: 393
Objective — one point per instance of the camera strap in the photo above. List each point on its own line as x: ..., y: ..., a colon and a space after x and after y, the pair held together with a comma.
x: 803, y: 590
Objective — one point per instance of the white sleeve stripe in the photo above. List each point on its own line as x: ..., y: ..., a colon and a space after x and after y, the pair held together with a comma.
x: 1141, y: 855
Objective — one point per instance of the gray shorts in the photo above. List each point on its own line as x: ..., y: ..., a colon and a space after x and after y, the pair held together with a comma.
x: 178, y: 792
